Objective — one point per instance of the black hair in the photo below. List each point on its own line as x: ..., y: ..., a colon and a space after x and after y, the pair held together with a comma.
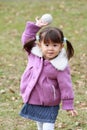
x: 28, y: 46
x: 55, y: 35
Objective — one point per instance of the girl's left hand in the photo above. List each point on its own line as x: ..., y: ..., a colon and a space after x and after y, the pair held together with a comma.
x: 72, y: 112
x: 40, y: 23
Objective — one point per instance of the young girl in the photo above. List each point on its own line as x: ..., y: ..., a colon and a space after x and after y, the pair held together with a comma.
x: 46, y: 80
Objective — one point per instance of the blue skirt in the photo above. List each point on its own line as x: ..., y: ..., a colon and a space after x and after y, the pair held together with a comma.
x: 40, y: 113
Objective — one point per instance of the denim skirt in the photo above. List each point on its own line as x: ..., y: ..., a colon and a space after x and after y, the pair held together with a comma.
x: 40, y: 113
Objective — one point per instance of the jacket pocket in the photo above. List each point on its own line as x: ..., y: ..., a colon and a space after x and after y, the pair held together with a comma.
x: 50, y: 93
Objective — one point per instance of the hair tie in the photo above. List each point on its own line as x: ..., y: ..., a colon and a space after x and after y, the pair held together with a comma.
x: 37, y: 38
x: 64, y: 40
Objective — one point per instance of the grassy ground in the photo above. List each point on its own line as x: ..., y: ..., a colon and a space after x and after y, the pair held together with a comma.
x: 71, y: 17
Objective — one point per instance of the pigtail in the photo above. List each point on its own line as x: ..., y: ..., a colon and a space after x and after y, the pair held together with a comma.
x: 28, y: 46
x: 70, y: 50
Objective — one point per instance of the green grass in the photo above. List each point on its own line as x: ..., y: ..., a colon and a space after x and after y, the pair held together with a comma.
x: 68, y: 15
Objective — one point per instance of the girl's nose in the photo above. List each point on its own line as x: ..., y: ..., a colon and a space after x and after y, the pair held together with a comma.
x: 50, y: 47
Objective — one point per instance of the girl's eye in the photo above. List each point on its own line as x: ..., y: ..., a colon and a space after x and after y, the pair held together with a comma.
x: 55, y: 45
x: 46, y: 45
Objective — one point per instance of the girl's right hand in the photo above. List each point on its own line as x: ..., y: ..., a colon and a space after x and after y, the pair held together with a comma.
x: 40, y: 23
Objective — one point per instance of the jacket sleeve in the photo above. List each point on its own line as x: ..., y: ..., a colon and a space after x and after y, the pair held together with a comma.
x: 29, y: 33
x: 66, y: 90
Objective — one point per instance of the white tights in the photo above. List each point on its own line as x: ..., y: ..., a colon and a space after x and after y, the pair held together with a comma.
x: 45, y: 126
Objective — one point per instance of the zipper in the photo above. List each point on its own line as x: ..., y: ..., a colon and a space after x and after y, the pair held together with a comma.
x: 54, y: 92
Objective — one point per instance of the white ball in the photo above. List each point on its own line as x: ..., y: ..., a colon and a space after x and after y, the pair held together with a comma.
x: 47, y: 18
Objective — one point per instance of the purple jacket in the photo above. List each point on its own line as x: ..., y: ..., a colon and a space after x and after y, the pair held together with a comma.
x: 45, y: 82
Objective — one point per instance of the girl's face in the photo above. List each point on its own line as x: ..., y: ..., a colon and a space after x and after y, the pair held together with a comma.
x: 50, y: 50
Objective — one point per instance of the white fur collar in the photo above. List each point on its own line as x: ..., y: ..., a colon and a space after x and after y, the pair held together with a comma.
x: 60, y: 62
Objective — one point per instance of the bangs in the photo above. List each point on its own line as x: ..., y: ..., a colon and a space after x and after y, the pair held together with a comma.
x: 52, y: 36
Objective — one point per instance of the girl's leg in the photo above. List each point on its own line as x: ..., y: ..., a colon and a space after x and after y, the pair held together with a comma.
x: 48, y: 126
x: 39, y: 125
